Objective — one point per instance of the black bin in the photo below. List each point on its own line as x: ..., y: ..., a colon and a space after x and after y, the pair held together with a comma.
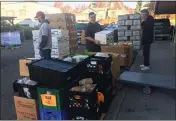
x: 54, y: 73
x: 83, y: 105
x: 95, y: 62
x: 25, y: 90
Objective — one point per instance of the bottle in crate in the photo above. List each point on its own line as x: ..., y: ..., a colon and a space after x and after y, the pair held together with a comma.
x: 52, y: 103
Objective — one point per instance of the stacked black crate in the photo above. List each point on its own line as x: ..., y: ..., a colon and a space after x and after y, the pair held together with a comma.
x: 55, y: 77
x: 99, y: 69
x: 129, y: 29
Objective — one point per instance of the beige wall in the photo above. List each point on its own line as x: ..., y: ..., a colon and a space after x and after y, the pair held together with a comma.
x: 23, y: 10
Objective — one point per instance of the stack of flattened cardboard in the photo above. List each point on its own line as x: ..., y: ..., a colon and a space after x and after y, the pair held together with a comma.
x: 26, y: 106
x: 125, y: 53
x: 65, y: 21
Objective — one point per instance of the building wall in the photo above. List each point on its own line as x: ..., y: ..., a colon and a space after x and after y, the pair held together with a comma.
x: 25, y: 10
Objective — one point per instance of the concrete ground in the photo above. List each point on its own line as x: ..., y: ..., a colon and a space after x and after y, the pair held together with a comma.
x: 128, y: 103
x: 131, y: 103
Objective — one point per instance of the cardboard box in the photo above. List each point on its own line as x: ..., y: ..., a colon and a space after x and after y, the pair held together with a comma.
x: 26, y: 109
x: 136, y: 43
x: 121, y: 50
x: 120, y: 23
x: 23, y: 68
x: 121, y: 33
x: 136, y: 33
x: 135, y: 16
x: 123, y: 17
x: 135, y: 27
x: 129, y: 22
x: 133, y: 38
x: 136, y: 22
x: 138, y: 37
x: 128, y: 33
x: 122, y: 38
x: 122, y: 28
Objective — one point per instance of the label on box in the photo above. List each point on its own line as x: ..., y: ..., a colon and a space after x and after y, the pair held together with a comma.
x: 123, y: 55
x: 48, y: 100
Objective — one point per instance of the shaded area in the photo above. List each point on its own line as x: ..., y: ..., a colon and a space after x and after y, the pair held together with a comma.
x: 134, y: 104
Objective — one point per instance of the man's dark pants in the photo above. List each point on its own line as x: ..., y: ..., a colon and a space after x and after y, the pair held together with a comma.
x: 146, y: 54
x: 45, y: 53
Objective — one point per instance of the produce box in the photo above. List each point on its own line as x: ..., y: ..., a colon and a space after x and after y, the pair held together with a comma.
x: 128, y: 22
x: 123, y: 17
x: 26, y: 109
x: 136, y: 22
x: 135, y: 16
x: 121, y: 23
x: 22, y: 66
x: 122, y: 28
x: 123, y: 51
x: 121, y: 33
x: 128, y: 33
x: 135, y: 27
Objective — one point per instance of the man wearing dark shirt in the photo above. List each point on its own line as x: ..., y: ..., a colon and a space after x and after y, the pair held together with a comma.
x: 147, y: 37
x: 92, y: 45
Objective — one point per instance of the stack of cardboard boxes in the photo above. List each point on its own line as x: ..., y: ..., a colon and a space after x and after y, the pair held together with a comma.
x: 129, y: 29
x: 60, y: 43
x: 65, y: 21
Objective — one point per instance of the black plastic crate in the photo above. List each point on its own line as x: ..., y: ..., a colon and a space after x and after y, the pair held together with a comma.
x: 83, y: 100
x: 82, y: 66
x: 54, y: 73
x: 99, y: 65
x: 25, y: 90
x: 80, y: 114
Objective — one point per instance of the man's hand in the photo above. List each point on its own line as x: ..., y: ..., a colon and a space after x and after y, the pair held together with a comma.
x: 97, y: 42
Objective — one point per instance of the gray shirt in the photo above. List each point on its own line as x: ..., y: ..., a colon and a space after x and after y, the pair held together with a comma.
x: 45, y: 30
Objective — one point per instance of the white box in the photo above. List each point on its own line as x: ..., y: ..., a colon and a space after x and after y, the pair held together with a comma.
x: 121, y: 23
x: 128, y: 33
x: 121, y: 33
x: 137, y: 27
x: 122, y: 38
x: 133, y: 38
x: 136, y: 22
x: 136, y: 43
x: 138, y: 37
x: 35, y: 34
x: 136, y: 33
x: 136, y: 47
x: 123, y: 17
x: 135, y: 16
x: 129, y: 22
x: 105, y: 37
x: 122, y: 28
x: 60, y: 32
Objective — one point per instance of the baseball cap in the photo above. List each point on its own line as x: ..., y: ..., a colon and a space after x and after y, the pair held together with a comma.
x: 39, y: 13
